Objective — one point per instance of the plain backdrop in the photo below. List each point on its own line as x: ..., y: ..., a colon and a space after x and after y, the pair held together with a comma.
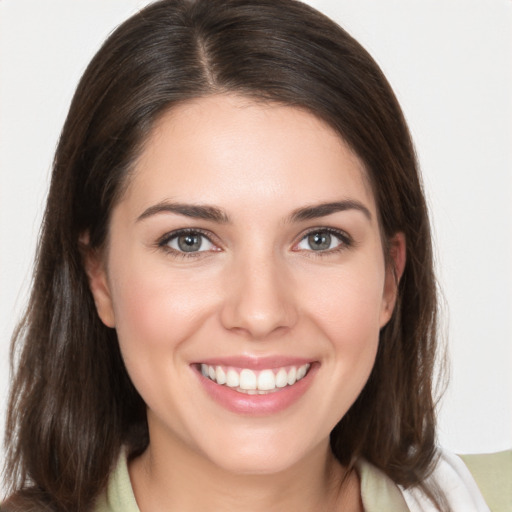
x: 449, y: 62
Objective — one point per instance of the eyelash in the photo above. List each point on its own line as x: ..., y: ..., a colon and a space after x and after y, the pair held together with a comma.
x: 345, y: 240
x: 163, y: 243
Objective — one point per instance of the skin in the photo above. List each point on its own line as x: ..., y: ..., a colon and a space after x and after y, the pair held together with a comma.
x: 258, y: 289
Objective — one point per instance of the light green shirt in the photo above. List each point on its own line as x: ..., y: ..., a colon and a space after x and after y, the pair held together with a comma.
x: 493, y: 475
x: 492, y: 472
x: 378, y: 492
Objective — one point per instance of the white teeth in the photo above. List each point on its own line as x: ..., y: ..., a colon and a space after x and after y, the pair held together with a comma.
x: 292, y: 376
x: 301, y: 372
x: 282, y: 378
x: 220, y: 375
x: 232, y: 378
x: 248, y: 379
x: 266, y: 380
x: 251, y: 382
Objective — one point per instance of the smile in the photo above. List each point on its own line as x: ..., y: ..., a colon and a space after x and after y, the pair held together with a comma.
x: 251, y: 382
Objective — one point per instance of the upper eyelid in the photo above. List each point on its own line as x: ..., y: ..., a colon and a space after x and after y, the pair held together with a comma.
x: 335, y: 231
x: 177, y: 232
x: 166, y: 238
x: 164, y: 242
x: 346, y: 241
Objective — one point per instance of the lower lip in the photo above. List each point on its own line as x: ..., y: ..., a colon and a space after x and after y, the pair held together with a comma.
x: 257, y: 405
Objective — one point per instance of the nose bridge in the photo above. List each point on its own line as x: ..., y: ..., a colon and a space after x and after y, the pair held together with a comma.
x: 258, y: 300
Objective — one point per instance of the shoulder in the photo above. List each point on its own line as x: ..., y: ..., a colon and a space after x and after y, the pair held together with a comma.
x: 116, y: 497
x: 493, y: 475
x: 467, y: 483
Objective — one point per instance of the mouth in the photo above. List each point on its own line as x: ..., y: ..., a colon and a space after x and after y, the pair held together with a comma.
x: 255, y: 382
x: 256, y: 386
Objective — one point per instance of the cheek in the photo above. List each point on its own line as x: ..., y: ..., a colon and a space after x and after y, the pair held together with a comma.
x: 347, y: 309
x: 157, y: 309
x: 158, y: 314
x: 342, y: 311
x: 347, y: 302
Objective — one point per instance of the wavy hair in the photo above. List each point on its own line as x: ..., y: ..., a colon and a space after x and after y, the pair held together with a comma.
x: 72, y: 405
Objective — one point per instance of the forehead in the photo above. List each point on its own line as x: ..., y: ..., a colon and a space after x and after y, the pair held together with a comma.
x: 237, y: 152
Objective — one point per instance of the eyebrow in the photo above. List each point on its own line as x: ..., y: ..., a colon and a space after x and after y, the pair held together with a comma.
x: 212, y: 213
x: 324, y: 209
x: 204, y: 212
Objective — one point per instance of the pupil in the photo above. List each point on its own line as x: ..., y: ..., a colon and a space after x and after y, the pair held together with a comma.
x: 319, y: 241
x: 189, y: 243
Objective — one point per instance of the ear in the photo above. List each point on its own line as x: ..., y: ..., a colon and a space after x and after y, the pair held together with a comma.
x: 95, y: 268
x: 395, y: 265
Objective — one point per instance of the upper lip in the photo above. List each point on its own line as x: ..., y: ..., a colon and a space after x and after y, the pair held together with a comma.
x: 256, y: 362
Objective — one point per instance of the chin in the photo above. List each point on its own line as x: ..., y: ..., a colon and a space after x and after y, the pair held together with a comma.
x: 258, y: 463
x: 263, y: 454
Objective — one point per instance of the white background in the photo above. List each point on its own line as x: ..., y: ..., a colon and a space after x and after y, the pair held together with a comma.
x: 450, y: 62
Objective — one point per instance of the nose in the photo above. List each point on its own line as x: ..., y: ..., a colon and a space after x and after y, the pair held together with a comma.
x: 259, y: 298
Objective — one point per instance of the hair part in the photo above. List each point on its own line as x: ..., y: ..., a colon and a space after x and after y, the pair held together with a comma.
x: 72, y: 405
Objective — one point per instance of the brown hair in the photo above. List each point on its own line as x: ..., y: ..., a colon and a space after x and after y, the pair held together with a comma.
x: 72, y: 405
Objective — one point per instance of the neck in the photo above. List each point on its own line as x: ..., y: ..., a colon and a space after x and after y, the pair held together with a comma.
x: 173, y: 477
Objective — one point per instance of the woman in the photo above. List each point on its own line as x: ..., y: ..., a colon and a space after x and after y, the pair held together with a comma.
x: 234, y: 302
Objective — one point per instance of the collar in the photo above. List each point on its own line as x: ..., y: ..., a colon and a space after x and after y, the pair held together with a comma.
x: 378, y: 491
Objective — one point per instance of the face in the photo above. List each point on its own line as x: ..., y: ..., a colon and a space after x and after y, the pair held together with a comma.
x: 245, y: 277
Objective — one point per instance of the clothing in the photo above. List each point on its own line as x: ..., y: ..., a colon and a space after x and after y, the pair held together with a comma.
x: 493, y: 474
x: 379, y: 493
x: 457, y: 483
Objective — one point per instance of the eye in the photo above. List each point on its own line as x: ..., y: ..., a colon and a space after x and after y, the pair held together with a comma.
x: 187, y: 241
x: 322, y: 240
